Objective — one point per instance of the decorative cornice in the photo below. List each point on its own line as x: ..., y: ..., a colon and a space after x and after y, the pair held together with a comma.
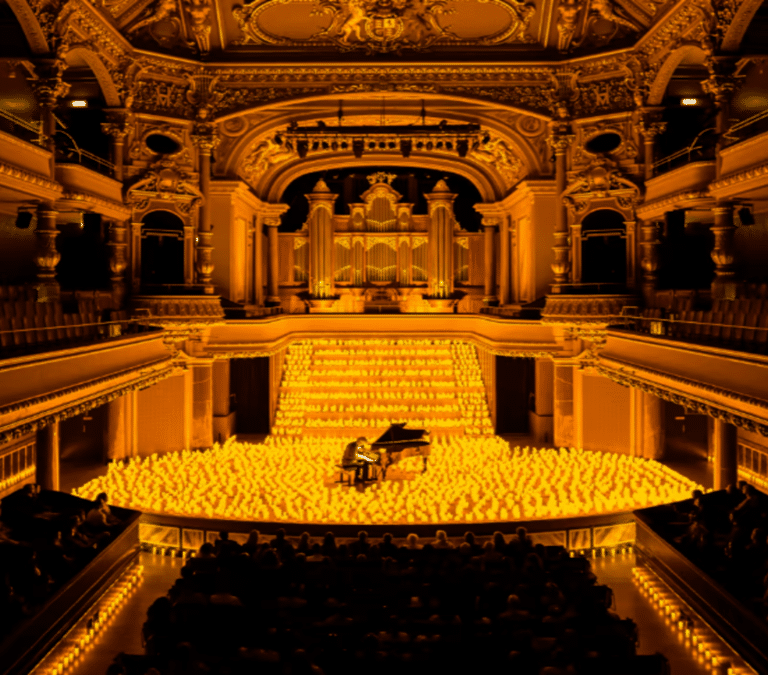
x: 36, y: 179
x: 116, y: 208
x: 740, y: 177
x: 618, y: 372
x: 675, y: 200
x: 147, y: 376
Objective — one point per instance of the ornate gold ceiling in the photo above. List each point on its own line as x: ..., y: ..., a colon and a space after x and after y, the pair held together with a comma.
x: 455, y: 27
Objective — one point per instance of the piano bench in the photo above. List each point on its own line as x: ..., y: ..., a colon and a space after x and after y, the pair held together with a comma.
x: 346, y: 475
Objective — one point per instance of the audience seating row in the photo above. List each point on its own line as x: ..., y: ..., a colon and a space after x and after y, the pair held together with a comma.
x: 314, y: 608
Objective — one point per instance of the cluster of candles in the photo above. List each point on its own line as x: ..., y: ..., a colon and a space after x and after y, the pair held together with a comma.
x: 708, y: 649
x: 85, y: 633
x: 469, y: 480
x: 313, y: 399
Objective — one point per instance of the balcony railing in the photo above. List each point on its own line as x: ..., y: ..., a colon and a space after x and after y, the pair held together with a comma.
x: 743, y: 129
x: 702, y: 148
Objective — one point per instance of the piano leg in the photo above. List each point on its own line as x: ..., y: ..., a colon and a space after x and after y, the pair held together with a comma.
x: 424, y: 459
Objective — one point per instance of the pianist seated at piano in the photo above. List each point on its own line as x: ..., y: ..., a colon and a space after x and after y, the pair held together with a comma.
x: 393, y: 446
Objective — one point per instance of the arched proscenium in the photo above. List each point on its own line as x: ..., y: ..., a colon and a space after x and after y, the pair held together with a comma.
x: 668, y: 68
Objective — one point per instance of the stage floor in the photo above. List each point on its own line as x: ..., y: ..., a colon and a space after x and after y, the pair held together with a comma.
x: 469, y: 480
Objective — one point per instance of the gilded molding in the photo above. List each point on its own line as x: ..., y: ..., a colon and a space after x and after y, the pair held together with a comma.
x: 36, y: 179
x: 668, y: 203
x: 148, y: 376
x: 701, y: 404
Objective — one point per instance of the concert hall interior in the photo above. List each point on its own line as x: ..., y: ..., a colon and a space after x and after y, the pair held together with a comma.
x: 383, y: 335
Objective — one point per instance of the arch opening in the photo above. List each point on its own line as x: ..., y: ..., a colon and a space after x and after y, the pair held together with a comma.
x: 162, y: 250
x: 604, y: 248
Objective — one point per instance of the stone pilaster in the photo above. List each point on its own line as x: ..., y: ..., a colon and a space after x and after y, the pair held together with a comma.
x: 273, y: 263
x: 560, y: 140
x: 47, y: 448
x: 724, y: 449
x: 206, y: 141
x: 118, y: 127
x: 490, y: 229
x: 441, y: 227
x: 320, y: 227
x: 47, y: 256
x: 649, y: 258
x: 118, y: 260
x: 724, y: 284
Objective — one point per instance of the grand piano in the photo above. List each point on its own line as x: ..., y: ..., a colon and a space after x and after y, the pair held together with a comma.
x: 394, y: 445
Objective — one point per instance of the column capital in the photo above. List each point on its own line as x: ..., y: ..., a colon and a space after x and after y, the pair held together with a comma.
x: 560, y: 142
x: 490, y: 222
x: 272, y: 221
x: 48, y: 84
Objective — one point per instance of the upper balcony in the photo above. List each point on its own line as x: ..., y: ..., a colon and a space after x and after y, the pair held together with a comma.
x: 25, y: 169
x: 744, y: 172
x: 89, y: 190
x: 684, y: 187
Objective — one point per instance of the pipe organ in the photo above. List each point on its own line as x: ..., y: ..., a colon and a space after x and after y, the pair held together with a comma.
x: 383, y: 255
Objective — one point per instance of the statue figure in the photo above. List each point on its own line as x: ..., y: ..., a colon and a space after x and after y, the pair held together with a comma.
x: 164, y: 10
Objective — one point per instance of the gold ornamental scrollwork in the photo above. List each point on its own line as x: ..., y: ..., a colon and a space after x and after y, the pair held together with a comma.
x: 383, y: 26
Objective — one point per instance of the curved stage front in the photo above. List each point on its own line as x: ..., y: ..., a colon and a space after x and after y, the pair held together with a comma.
x: 585, y: 533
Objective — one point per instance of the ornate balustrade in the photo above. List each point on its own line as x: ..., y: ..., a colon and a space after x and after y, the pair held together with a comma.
x: 590, y: 309
x: 178, y: 312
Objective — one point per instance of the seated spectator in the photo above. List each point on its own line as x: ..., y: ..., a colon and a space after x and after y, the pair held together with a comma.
x: 251, y: 546
x: 474, y: 547
x: 224, y: 546
x: 387, y: 549
x: 329, y: 544
x: 361, y: 546
x: 304, y: 543
x: 100, y: 518
x: 441, y: 541
x: 412, y: 542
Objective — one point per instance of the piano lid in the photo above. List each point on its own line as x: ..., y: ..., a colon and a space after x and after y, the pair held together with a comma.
x: 398, y: 436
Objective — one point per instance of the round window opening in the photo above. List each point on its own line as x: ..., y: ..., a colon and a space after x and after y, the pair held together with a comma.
x: 162, y: 144
x: 607, y: 142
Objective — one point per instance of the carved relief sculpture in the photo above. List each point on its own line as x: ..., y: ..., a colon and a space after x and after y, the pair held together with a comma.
x: 162, y: 23
x: 381, y: 26
x: 264, y: 154
x: 168, y: 182
x: 568, y: 12
x: 199, y: 13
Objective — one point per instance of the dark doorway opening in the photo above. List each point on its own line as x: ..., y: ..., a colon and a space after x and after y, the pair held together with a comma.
x: 249, y: 386
x: 515, y: 389
x: 603, y: 248
x: 162, y: 249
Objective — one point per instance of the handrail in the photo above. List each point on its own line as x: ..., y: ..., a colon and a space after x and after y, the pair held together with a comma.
x: 73, y: 325
x: 689, y: 149
x: 699, y: 323
x: 86, y: 153
x: 741, y: 124
x: 24, y: 124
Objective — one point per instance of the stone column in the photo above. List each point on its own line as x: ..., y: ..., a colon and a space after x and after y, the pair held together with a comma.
x: 441, y: 226
x: 560, y: 140
x: 47, y: 448
x: 202, y: 403
x: 117, y: 126
x: 135, y: 256
x: 563, y: 406
x: 542, y: 419
x: 724, y: 283
x: 649, y: 129
x: 721, y: 85
x: 223, y: 417
x: 490, y: 227
x: 49, y: 87
x: 118, y: 429
x: 273, y: 266
x: 648, y: 433
x: 320, y: 230
x: 504, y: 262
x: 724, y: 449
x: 47, y: 257
x: 258, y: 263
x: 206, y: 141
x: 649, y: 258
x: 118, y: 259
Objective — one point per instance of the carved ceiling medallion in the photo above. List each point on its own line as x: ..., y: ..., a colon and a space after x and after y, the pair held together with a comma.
x: 383, y: 25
